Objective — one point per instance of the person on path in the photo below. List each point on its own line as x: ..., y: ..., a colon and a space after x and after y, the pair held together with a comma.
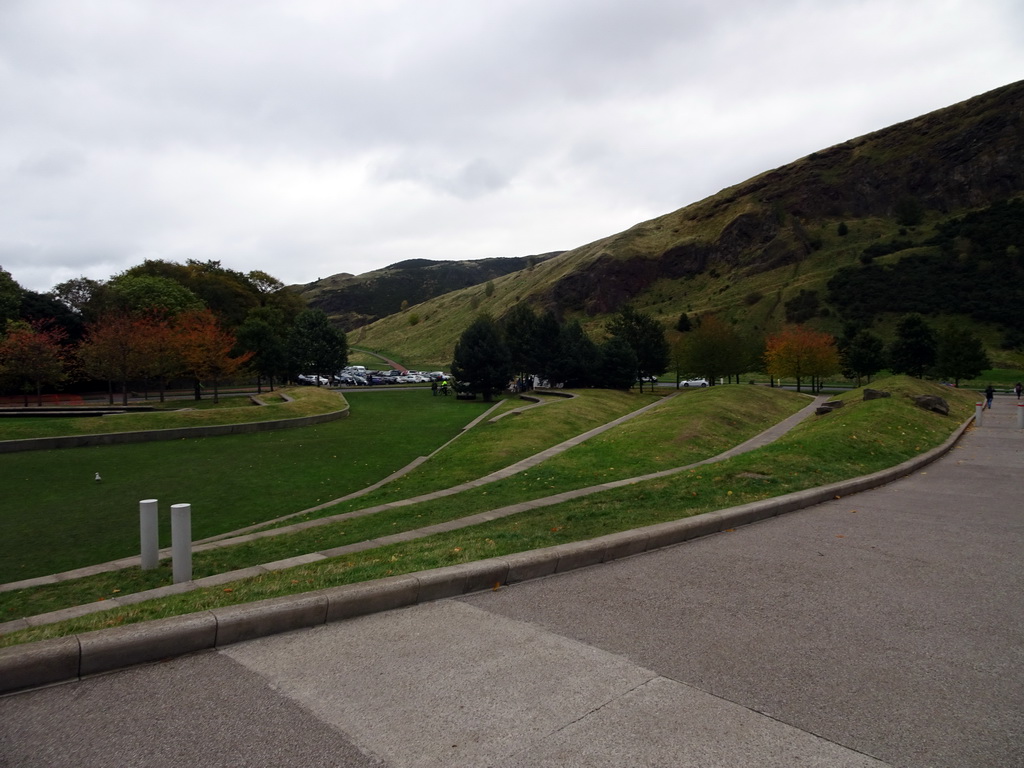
x: 1018, y: 389
x: 990, y: 392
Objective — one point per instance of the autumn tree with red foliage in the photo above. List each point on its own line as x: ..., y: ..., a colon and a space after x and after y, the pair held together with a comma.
x: 206, y: 349
x: 801, y: 353
x: 114, y: 350
x: 161, y: 351
x: 33, y: 354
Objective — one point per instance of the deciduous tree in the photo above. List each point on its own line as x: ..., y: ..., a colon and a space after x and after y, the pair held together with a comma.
x: 34, y: 356
x: 206, y: 349
x: 713, y: 349
x: 801, y: 353
x: 112, y: 351
x: 10, y: 298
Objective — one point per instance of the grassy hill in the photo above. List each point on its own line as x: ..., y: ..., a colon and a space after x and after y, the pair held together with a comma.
x: 897, y: 209
x: 355, y: 300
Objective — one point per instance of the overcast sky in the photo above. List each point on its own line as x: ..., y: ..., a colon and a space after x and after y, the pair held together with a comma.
x: 311, y: 137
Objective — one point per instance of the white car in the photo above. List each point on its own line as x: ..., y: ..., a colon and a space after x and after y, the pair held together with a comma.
x: 695, y: 383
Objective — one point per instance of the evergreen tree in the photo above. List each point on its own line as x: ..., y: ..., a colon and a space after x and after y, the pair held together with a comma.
x: 316, y: 346
x: 618, y: 364
x: 960, y: 355
x: 263, y: 333
x: 862, y: 355
x: 547, y: 345
x: 913, y: 350
x: 482, y: 362
x: 520, y: 329
x: 646, y: 338
x: 577, y: 359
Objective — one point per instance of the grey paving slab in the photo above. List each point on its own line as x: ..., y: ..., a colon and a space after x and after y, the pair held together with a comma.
x: 200, y: 711
x: 665, y: 723
x: 444, y: 684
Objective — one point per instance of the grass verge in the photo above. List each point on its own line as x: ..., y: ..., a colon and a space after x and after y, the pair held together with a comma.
x: 861, y: 438
x: 55, y: 517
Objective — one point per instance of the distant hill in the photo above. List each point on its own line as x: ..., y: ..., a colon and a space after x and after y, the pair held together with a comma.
x: 352, y: 301
x: 920, y: 216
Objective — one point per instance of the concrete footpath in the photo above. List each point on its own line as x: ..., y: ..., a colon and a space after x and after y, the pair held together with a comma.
x: 884, y: 628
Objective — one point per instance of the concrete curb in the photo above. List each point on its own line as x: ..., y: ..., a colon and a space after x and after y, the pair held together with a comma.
x: 70, y: 658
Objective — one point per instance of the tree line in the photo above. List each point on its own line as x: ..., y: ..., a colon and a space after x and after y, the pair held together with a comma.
x: 491, y: 354
x: 159, y: 322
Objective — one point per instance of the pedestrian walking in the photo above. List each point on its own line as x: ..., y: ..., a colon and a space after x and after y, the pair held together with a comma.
x: 990, y: 392
x: 1017, y: 390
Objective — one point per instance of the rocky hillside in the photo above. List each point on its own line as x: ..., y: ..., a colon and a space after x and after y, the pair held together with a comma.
x: 765, y: 251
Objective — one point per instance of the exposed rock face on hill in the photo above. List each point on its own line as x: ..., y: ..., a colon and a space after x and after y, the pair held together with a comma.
x: 352, y: 301
x: 965, y: 156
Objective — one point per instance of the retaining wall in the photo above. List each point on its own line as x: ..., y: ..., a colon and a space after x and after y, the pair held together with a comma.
x: 155, y: 435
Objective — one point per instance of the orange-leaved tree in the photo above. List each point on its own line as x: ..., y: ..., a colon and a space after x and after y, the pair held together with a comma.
x: 800, y: 353
x: 112, y: 350
x: 161, y: 350
x: 206, y: 349
x: 33, y: 354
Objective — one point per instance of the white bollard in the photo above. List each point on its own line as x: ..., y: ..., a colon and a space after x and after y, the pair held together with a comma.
x: 979, y: 408
x: 148, y: 534
x: 181, y: 542
x: 1020, y: 415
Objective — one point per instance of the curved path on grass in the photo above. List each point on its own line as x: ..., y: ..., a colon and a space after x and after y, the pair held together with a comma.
x: 767, y: 436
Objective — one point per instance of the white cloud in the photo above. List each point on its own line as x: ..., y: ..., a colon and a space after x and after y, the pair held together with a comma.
x: 314, y: 137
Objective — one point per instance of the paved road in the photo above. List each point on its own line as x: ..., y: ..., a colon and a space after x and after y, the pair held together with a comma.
x: 881, y: 629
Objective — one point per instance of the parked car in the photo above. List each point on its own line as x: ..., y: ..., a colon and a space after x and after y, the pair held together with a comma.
x: 349, y: 380
x: 308, y: 378
x: 695, y: 383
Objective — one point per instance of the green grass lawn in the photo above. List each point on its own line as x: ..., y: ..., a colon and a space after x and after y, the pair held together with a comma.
x: 858, y: 439
x: 54, y: 516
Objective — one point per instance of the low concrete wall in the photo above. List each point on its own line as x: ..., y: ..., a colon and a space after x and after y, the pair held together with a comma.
x: 155, y: 435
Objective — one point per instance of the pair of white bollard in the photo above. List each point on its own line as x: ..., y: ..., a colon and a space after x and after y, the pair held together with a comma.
x: 979, y: 409
x: 181, y: 538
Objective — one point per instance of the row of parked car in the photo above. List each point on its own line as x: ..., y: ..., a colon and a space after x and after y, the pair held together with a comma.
x: 357, y: 376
